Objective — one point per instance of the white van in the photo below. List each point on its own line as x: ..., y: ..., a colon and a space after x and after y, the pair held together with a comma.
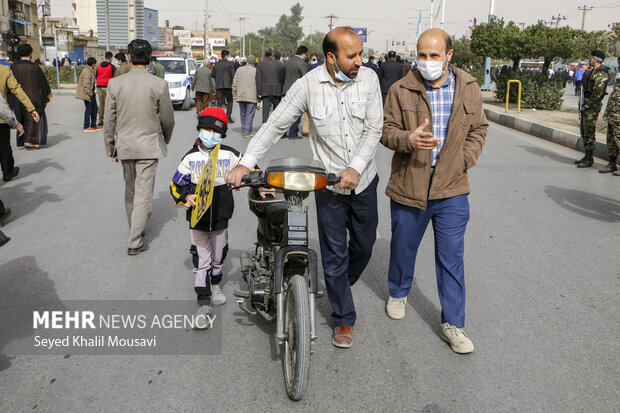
x: 179, y: 73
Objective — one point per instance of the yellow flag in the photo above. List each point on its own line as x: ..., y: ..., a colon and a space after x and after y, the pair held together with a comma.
x: 204, y: 189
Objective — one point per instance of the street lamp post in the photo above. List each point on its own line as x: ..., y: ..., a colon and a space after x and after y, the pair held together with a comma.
x: 487, y: 62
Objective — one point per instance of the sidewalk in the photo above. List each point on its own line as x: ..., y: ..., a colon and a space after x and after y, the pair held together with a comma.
x: 561, y: 127
x: 64, y: 90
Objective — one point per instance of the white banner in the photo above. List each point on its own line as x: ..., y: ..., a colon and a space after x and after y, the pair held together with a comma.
x: 182, y: 33
x: 217, y: 41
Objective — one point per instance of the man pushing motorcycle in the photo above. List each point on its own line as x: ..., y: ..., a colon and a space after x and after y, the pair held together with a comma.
x: 343, y: 99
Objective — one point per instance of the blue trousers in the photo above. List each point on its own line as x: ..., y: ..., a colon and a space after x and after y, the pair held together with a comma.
x: 344, y: 262
x: 90, y: 112
x: 246, y: 113
x: 294, y: 130
x: 449, y: 217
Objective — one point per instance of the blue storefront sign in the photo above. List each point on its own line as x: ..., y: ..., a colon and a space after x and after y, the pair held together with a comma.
x: 361, y: 32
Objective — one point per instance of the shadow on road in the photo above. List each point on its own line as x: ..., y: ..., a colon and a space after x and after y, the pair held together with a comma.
x: 164, y: 211
x: 585, y: 204
x: 543, y: 153
x: 23, y: 285
x: 29, y: 169
x: 24, y: 202
x: 53, y: 140
x: 375, y: 277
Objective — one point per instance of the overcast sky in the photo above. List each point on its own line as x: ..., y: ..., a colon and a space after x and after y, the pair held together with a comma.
x: 385, y: 20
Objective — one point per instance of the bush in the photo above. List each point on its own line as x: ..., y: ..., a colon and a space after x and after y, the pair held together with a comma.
x: 537, y: 90
x: 66, y: 75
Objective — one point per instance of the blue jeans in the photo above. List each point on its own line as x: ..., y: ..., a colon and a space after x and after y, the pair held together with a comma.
x: 90, y: 112
x: 247, y: 110
x: 343, y: 262
x: 449, y: 217
x: 294, y: 130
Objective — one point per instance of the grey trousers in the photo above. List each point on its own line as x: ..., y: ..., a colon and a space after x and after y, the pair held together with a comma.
x: 139, y: 177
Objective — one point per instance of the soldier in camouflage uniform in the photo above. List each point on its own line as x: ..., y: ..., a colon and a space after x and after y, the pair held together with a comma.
x: 594, y: 90
x: 612, y: 116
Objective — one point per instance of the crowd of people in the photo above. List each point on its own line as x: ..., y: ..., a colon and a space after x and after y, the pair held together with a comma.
x: 407, y: 108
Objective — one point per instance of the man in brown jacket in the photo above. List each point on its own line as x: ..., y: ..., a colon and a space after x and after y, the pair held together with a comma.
x: 137, y: 130
x: 85, y: 91
x: 436, y: 127
x: 8, y: 82
x: 123, y: 66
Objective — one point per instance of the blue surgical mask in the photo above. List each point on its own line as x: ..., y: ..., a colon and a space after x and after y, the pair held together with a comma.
x: 209, y: 139
x: 340, y: 75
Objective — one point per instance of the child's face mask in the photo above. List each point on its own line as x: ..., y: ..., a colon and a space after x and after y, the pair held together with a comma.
x: 209, y: 139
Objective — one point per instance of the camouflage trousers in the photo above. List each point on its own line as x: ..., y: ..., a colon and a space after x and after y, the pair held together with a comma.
x: 588, y: 127
x: 613, y: 137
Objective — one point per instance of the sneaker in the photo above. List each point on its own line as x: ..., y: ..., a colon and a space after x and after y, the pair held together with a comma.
x: 250, y: 136
x: 217, y: 296
x: 459, y: 342
x: 89, y: 129
x: 203, y: 317
x: 28, y: 145
x: 395, y: 308
x: 96, y: 128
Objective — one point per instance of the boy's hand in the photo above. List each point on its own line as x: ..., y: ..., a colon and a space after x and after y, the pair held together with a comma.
x: 190, y: 201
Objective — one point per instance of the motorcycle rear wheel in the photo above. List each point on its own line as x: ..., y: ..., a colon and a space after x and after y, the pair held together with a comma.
x: 296, y: 362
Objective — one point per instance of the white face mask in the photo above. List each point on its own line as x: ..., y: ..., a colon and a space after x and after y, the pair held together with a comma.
x: 431, y: 69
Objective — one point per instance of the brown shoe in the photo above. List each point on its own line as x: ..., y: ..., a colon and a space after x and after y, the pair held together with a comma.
x: 343, y: 336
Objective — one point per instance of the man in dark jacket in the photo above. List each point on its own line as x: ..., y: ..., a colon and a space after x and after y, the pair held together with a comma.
x: 269, y: 82
x: 295, y: 68
x: 390, y: 72
x: 35, y: 85
x: 371, y: 64
x: 223, y: 72
x: 105, y: 72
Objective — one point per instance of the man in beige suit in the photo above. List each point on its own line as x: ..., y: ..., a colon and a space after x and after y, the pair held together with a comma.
x: 138, y: 126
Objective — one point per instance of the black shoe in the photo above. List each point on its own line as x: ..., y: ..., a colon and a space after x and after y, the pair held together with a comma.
x: 578, y: 161
x: 610, y: 167
x: 231, y: 121
x: 12, y: 174
x: 588, y: 160
x: 136, y: 251
x: 5, y: 217
x: 3, y: 239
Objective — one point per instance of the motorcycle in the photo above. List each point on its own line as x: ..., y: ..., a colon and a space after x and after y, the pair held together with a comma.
x: 281, y: 270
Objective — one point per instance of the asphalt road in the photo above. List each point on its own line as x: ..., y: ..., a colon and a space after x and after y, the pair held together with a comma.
x: 542, y: 271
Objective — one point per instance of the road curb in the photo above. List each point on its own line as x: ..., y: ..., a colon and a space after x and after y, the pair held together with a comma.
x: 561, y: 137
x: 56, y: 92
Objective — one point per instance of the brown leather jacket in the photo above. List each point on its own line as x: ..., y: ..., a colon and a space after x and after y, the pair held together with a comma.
x: 406, y: 107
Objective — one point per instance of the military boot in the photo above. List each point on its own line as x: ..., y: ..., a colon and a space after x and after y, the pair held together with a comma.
x: 610, y: 167
x: 588, y: 160
x: 578, y: 161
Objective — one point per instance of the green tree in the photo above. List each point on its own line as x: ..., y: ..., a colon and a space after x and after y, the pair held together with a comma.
x: 268, y: 38
x: 314, y: 42
x: 486, y: 39
x: 289, y: 31
x: 464, y: 57
x: 585, y: 42
x: 550, y: 43
x: 178, y: 28
x: 514, y: 44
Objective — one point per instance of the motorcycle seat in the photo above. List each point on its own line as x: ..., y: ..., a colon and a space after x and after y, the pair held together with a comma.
x: 273, y: 212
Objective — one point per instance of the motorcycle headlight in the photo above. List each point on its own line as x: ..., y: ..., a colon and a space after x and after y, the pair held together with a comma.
x: 297, y: 181
x: 173, y: 85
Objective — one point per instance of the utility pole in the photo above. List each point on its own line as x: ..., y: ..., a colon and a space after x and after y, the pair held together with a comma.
x: 522, y: 24
x: 242, y: 28
x: 557, y: 20
x: 107, y: 26
x: 206, y: 36
x: 487, y: 62
x: 443, y: 12
x: 331, y: 18
x: 583, y: 19
x: 432, y: 6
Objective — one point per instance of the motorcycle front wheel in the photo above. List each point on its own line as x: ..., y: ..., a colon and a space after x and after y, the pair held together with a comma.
x: 296, y: 361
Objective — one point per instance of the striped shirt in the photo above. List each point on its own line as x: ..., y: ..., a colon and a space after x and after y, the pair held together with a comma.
x: 440, y: 99
x: 346, y: 120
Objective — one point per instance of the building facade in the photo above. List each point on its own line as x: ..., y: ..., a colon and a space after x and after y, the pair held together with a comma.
x: 20, y: 24
x: 85, y: 16
x: 119, y: 22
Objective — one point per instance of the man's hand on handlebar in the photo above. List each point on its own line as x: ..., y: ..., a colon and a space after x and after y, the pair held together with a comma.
x: 349, y: 179
x: 233, y: 177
